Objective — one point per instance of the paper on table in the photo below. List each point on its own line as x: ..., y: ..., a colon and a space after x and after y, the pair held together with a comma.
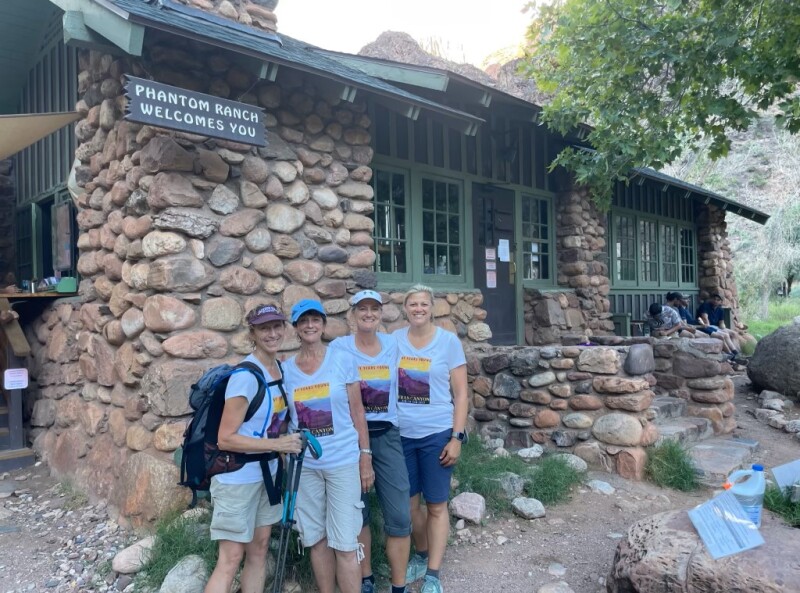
x: 787, y: 475
x: 724, y: 527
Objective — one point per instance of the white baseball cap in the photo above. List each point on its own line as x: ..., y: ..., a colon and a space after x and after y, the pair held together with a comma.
x: 365, y: 294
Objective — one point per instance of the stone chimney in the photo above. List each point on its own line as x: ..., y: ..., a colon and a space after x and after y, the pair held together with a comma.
x: 255, y: 13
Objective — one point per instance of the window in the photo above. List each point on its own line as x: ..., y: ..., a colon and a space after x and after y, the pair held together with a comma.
x: 419, y: 227
x: 625, y: 248
x: 688, y: 274
x: 391, y: 241
x: 669, y: 254
x: 648, y: 250
x: 535, y: 238
x: 441, y: 228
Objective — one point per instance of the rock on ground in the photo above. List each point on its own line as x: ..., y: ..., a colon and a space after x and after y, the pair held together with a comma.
x: 664, y: 554
x: 469, y: 506
x: 132, y: 558
x: 527, y: 508
x: 187, y: 576
x: 774, y: 363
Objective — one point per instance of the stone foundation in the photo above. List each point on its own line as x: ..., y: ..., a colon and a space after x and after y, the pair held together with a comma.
x: 549, y: 316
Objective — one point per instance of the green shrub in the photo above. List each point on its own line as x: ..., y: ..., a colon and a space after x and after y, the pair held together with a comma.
x: 552, y: 479
x: 779, y: 503
x: 74, y: 497
x: 668, y: 464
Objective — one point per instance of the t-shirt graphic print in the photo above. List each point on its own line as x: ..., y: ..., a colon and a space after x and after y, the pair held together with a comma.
x: 375, y: 382
x: 279, y: 411
x: 313, y: 405
x: 413, y: 383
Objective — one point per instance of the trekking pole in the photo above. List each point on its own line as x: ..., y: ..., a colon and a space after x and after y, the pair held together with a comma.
x: 293, y: 469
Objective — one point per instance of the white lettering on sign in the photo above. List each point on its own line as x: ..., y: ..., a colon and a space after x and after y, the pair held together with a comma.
x: 15, y: 379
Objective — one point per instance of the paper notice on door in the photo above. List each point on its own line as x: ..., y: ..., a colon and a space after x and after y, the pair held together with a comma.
x: 491, y: 265
x: 15, y: 379
x: 503, y: 252
x: 491, y: 254
x: 491, y: 279
x: 787, y: 475
x: 724, y: 527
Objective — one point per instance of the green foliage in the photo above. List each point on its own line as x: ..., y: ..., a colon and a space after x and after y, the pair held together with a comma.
x: 655, y: 78
x: 75, y: 498
x: 552, y: 480
x: 780, y: 503
x: 668, y: 464
x: 177, y: 537
x: 781, y: 312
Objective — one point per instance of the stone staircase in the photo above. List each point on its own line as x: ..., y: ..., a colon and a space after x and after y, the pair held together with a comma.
x: 714, y: 457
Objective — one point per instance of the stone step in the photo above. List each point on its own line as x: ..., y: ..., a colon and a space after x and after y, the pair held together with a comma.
x: 16, y: 459
x: 668, y: 407
x: 716, y: 458
x: 684, y: 430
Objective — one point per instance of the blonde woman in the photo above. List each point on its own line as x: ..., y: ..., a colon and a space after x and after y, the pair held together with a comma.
x: 243, y: 516
x: 432, y: 426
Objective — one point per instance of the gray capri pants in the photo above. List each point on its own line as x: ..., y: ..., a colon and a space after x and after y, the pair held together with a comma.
x: 391, y: 481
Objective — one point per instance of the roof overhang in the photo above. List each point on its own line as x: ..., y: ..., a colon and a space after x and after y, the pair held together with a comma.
x: 20, y: 131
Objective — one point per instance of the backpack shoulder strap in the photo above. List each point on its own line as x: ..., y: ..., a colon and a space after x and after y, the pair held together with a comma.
x: 262, y: 384
x: 281, y: 386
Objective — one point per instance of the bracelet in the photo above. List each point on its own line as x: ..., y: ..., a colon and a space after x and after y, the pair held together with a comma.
x: 365, y: 451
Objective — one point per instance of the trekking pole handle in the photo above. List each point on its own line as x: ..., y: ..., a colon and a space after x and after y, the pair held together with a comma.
x: 310, y: 442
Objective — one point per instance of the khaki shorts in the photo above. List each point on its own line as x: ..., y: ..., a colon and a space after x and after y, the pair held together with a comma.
x: 239, y: 509
x: 329, y: 505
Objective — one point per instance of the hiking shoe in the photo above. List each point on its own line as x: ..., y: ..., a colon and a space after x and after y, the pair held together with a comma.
x: 367, y: 587
x: 431, y: 585
x: 417, y: 567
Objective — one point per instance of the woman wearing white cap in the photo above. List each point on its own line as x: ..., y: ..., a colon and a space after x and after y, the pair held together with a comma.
x: 243, y: 512
x: 325, y: 399
x: 374, y: 356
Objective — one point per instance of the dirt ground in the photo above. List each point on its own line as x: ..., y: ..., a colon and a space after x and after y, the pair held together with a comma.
x: 52, y: 540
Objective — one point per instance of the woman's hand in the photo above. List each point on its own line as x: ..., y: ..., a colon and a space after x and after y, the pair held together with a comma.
x: 288, y: 443
x: 450, y: 453
x: 366, y: 472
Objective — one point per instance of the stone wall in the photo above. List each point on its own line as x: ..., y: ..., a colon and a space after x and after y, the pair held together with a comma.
x: 8, y: 248
x: 551, y: 316
x: 715, y: 261
x: 595, y: 400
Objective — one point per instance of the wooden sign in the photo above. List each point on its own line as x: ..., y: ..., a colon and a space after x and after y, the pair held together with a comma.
x: 166, y: 106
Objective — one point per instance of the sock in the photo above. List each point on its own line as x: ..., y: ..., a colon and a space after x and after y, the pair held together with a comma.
x: 423, y: 555
x: 432, y: 573
x: 400, y: 589
x: 370, y: 578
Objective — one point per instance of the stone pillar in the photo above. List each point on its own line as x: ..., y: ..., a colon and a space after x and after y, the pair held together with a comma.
x: 8, y: 248
x: 582, y: 257
x: 715, y: 260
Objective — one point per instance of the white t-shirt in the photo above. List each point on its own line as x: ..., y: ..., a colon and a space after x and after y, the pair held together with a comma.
x: 424, y: 401
x: 377, y: 376
x: 265, y: 423
x: 319, y: 404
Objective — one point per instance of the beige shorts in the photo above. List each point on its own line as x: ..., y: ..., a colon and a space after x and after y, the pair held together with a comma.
x: 329, y: 505
x: 239, y: 509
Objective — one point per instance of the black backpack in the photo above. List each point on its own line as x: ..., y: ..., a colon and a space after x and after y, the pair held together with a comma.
x: 201, y: 458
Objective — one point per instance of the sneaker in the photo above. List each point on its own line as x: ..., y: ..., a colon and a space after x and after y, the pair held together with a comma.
x: 431, y: 585
x: 417, y: 567
x: 367, y: 587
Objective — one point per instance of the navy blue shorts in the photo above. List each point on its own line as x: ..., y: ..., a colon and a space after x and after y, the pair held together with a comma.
x: 391, y: 483
x: 708, y: 329
x: 425, y: 472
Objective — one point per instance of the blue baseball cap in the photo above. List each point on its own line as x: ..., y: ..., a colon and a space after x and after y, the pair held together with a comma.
x: 364, y: 295
x: 306, y: 306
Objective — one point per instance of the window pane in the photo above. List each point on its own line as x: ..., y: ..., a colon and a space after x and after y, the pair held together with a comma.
x: 441, y: 228
x: 427, y: 193
x: 625, y: 248
x: 399, y: 189
x: 390, y: 227
x: 400, y: 258
x: 428, y: 259
x: 535, y: 238
x: 427, y: 226
x: 441, y: 196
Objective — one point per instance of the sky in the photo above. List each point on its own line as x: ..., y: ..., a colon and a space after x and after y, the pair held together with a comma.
x: 469, y: 30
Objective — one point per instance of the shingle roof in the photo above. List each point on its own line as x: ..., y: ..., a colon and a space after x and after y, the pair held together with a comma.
x: 278, y: 49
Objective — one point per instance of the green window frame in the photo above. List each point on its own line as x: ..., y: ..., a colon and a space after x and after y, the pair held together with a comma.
x: 624, y: 245
x: 537, y: 228
x: 688, y: 256
x: 648, y: 251
x: 669, y: 253
x: 420, y: 227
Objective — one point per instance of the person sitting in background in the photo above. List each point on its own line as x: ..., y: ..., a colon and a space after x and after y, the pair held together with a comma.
x: 711, y: 313
x: 665, y: 322
x: 680, y: 303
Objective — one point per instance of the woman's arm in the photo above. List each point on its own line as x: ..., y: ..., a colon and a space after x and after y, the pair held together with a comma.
x: 360, y: 423
x: 229, y: 439
x: 458, y: 382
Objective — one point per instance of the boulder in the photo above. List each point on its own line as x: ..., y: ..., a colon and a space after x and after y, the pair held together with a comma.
x: 189, y: 575
x: 527, y: 508
x: 469, y: 506
x: 149, y: 488
x: 774, y: 362
x: 664, y: 554
x: 131, y: 559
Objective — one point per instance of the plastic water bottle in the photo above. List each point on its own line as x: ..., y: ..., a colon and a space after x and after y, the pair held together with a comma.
x: 748, y: 486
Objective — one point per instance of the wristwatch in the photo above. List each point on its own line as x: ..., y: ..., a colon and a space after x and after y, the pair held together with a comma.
x: 461, y: 436
x: 365, y: 451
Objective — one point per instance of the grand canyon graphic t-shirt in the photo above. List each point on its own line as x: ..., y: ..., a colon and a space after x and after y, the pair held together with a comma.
x: 264, y: 424
x: 424, y: 401
x: 319, y: 404
x: 377, y: 376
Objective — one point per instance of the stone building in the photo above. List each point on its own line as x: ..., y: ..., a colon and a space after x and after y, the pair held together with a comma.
x: 374, y: 174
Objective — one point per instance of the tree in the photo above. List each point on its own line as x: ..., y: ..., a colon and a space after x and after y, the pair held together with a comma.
x: 655, y: 78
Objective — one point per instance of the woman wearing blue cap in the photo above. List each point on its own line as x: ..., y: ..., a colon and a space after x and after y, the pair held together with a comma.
x: 243, y: 512
x: 374, y: 355
x: 325, y: 399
